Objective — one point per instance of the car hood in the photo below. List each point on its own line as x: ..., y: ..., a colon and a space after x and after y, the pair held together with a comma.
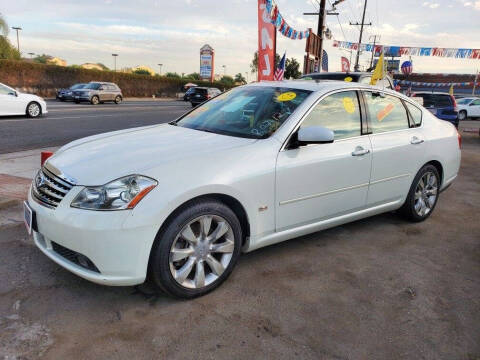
x: 99, y: 159
x: 29, y: 97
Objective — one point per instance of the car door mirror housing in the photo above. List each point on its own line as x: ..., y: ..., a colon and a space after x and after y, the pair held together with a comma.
x: 13, y: 93
x: 315, y: 135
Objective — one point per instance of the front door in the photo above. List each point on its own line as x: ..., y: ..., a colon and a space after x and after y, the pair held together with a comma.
x: 321, y: 181
x: 474, y: 110
x: 10, y: 103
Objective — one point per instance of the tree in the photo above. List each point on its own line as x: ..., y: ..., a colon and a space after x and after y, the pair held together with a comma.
x: 42, y: 59
x: 240, y: 79
x: 7, y: 51
x: 227, y: 80
x: 141, y: 72
x: 172, y: 75
x: 292, y: 69
x: 3, y: 26
x: 193, y: 76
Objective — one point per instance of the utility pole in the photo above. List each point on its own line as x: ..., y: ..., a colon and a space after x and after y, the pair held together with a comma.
x: 373, y: 50
x: 322, y: 16
x: 31, y: 55
x: 16, y: 28
x: 224, y: 69
x: 115, y: 62
x: 475, y: 83
x: 361, y: 33
x: 160, y: 66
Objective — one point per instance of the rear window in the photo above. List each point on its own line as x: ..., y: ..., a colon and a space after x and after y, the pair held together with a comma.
x: 201, y: 91
x: 436, y: 100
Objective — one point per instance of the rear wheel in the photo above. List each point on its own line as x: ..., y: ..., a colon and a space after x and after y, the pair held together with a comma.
x: 95, y: 100
x: 423, y: 194
x: 33, y: 110
x: 197, y: 250
x: 118, y: 99
x: 462, y: 115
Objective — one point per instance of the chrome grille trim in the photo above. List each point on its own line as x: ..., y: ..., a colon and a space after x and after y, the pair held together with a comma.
x: 48, y: 189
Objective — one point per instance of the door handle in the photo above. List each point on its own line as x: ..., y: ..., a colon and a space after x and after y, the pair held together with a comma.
x: 415, y: 140
x: 360, y: 151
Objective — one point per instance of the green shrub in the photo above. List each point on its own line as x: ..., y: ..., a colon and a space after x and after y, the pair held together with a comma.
x: 44, y: 80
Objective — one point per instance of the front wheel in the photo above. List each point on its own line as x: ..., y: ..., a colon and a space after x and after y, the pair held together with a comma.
x: 118, y: 99
x: 33, y: 110
x: 197, y: 250
x: 95, y: 100
x: 462, y: 115
x: 423, y: 194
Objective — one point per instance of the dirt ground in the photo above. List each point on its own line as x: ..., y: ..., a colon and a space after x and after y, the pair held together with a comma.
x: 379, y: 288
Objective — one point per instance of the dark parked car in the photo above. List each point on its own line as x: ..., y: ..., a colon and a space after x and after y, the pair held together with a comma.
x: 442, y: 105
x: 202, y: 94
x: 67, y: 94
x: 189, y: 92
x: 360, y: 77
x: 99, y: 92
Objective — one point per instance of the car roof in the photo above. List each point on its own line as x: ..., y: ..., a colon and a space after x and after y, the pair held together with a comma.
x: 430, y: 93
x: 313, y: 85
x: 358, y: 73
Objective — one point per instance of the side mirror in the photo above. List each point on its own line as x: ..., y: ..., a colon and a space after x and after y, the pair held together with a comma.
x: 13, y: 93
x: 101, y: 88
x: 472, y: 104
x: 315, y: 135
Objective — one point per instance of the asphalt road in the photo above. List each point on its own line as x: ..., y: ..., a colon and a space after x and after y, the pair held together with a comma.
x: 69, y: 121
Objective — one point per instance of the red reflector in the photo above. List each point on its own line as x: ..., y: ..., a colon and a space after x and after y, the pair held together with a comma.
x: 44, y: 156
x: 459, y: 140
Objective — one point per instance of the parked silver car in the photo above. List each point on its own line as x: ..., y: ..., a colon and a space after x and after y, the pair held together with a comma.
x: 98, y: 92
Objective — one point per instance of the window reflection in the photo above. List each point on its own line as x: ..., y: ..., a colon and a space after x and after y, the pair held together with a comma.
x: 386, y: 113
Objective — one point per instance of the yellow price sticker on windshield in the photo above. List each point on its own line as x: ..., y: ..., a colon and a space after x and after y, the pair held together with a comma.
x: 348, y: 79
x: 287, y: 96
x: 348, y: 105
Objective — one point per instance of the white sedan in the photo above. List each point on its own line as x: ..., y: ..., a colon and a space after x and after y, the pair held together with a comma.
x: 13, y: 102
x: 468, y: 108
x: 255, y: 166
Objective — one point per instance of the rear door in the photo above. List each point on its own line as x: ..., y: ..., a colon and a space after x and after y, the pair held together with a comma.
x: 474, y: 108
x: 398, y: 147
x: 321, y: 181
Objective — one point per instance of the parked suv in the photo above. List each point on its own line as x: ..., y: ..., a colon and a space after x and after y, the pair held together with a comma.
x: 99, y: 92
x: 360, y: 77
x: 442, y: 105
x: 202, y: 94
x: 67, y: 94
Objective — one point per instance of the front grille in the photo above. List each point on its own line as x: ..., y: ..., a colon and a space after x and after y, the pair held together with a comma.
x: 49, y: 189
x: 74, y: 257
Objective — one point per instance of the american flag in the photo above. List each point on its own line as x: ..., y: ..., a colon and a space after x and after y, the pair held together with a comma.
x: 278, y: 76
x: 324, y: 61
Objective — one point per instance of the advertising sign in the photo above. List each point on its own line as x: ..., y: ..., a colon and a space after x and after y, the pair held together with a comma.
x: 392, y: 65
x: 266, y: 43
x: 207, y: 56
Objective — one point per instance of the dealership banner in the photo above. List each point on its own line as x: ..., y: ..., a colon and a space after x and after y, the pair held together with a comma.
x: 426, y: 84
x: 411, y: 51
x: 281, y: 25
x: 266, y: 43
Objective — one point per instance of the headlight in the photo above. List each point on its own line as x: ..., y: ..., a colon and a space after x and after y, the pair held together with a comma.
x: 120, y: 194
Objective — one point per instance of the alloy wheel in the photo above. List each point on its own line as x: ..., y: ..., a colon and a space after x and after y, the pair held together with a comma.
x: 426, y: 193
x: 201, y: 251
x: 33, y: 110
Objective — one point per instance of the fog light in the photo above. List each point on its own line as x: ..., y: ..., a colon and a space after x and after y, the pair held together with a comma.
x: 83, y: 261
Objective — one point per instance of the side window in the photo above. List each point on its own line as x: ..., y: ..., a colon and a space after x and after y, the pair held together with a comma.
x: 415, y: 113
x: 4, y: 90
x: 339, y: 112
x: 386, y: 113
x: 475, y: 102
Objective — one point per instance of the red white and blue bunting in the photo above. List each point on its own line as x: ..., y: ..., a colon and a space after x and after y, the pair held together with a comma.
x: 411, y: 51
x: 279, y: 21
x: 426, y: 84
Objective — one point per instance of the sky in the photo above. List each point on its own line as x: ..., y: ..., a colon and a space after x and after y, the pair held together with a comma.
x: 172, y: 32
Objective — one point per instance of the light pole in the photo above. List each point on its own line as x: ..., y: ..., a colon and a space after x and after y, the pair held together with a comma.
x: 16, y: 28
x: 115, y: 62
x: 160, y: 65
x: 246, y: 73
x: 224, y: 69
x: 31, y: 54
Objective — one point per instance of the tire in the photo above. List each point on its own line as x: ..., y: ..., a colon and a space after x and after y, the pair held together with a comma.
x: 462, y: 115
x: 77, y: 101
x: 95, y: 100
x: 193, y: 105
x: 421, y: 201
x: 33, y: 110
x: 183, y: 277
x: 118, y: 99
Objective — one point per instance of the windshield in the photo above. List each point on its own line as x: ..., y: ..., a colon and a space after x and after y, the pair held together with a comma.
x: 463, y: 101
x: 251, y: 112
x: 93, y: 86
x: 77, y: 86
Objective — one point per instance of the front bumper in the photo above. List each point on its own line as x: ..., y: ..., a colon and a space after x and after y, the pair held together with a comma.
x: 111, y: 240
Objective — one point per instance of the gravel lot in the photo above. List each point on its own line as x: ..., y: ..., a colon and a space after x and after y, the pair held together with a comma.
x: 379, y: 288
